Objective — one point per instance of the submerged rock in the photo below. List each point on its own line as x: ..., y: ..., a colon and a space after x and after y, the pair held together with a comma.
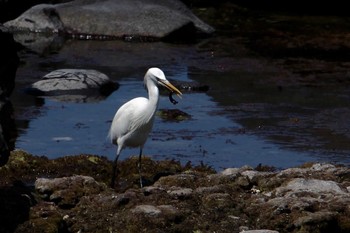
x: 91, y: 19
x: 173, y: 115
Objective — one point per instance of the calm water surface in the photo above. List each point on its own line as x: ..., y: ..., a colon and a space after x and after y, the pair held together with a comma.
x: 242, y: 120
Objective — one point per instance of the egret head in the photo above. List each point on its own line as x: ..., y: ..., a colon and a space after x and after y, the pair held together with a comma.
x: 157, y: 76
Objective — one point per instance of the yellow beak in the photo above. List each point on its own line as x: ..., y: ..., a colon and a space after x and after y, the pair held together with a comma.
x: 171, y: 87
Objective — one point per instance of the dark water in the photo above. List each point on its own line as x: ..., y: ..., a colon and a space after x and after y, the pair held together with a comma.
x: 246, y: 118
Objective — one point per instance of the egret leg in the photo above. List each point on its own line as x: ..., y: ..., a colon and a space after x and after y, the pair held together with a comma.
x: 114, y: 170
x: 139, y: 167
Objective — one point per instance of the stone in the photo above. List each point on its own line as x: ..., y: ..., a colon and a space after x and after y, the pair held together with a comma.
x: 149, y: 210
x: 71, y: 79
x: 231, y: 172
x: 208, y: 190
x: 259, y: 231
x: 180, y: 192
x: 67, y: 191
x: 112, y: 18
x: 310, y: 185
x: 73, y: 85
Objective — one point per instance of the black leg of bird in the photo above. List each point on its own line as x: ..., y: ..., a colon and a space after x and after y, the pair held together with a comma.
x: 139, y: 167
x: 114, y: 170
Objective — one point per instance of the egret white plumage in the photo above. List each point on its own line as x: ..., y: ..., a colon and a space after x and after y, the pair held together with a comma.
x: 134, y: 120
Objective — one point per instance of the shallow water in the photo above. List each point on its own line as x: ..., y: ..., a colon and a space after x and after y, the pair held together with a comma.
x: 244, y: 119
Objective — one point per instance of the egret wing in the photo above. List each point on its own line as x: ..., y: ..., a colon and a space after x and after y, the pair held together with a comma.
x: 126, y: 118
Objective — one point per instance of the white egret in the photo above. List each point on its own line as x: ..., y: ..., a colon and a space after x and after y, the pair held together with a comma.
x: 134, y: 120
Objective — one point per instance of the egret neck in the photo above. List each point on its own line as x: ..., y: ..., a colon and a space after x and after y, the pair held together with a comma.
x: 153, y: 96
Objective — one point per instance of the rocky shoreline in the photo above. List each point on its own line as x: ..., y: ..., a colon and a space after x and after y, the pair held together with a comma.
x: 71, y: 194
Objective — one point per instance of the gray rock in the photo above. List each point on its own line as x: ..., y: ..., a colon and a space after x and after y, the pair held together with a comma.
x: 112, y: 18
x: 71, y: 79
x: 259, y: 231
x: 67, y: 191
x: 39, y: 43
x: 315, y: 186
x: 318, y: 167
x: 149, y: 210
x: 73, y: 85
x: 231, y: 172
x: 180, y: 192
x: 39, y: 18
x: 208, y: 190
x: 168, y: 209
x: 148, y: 190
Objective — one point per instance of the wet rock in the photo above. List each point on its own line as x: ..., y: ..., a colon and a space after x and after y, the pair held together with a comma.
x: 71, y: 79
x: 115, y: 19
x: 73, y: 85
x: 173, y: 115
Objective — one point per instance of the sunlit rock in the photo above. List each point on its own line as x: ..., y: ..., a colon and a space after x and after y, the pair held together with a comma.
x: 72, y: 85
x: 314, y: 186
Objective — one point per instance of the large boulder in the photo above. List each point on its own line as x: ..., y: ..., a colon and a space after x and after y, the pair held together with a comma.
x: 111, y: 18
